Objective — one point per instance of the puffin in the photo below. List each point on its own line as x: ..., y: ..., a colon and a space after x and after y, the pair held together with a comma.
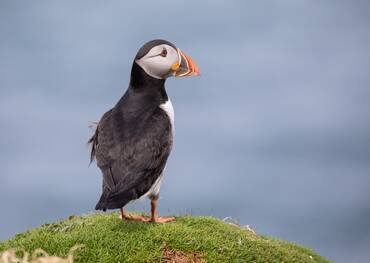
x: 133, y: 140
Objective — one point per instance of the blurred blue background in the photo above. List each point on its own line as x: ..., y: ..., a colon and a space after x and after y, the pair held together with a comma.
x: 275, y: 133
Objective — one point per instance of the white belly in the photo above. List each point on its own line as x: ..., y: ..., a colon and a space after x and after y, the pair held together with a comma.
x: 168, y: 108
x: 153, y: 192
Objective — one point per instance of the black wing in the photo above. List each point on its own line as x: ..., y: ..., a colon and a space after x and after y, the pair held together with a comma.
x: 131, y: 154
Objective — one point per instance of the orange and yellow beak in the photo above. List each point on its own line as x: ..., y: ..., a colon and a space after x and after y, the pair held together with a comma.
x: 185, y: 66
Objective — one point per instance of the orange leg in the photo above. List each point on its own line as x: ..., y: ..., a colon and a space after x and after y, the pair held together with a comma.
x: 125, y: 216
x: 155, y: 218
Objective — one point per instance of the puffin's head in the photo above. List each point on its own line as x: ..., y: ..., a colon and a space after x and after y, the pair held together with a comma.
x: 161, y: 59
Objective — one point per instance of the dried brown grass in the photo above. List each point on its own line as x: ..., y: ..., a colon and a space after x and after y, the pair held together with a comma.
x: 38, y: 256
x: 175, y: 256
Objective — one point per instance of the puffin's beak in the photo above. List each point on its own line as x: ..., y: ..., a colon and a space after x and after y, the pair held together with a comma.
x: 185, y: 66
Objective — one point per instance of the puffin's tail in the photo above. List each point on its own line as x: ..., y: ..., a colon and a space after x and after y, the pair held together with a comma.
x: 102, y: 204
x: 109, y: 200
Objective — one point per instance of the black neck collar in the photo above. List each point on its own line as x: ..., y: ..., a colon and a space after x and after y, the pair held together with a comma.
x: 140, y: 79
x: 142, y: 84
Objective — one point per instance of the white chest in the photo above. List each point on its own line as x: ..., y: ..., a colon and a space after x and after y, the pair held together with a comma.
x: 168, y: 108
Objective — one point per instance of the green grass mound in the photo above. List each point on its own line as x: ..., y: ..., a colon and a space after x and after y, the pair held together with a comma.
x: 106, y: 238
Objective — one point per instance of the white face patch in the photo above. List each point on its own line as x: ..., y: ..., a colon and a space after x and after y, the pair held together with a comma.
x: 156, y: 65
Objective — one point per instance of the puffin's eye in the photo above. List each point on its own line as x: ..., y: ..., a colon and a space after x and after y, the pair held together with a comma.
x: 164, y: 53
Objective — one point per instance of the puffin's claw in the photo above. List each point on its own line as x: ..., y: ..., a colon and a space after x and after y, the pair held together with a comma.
x: 134, y: 217
x: 162, y: 219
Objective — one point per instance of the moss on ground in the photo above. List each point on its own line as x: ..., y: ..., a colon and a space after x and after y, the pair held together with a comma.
x: 106, y: 238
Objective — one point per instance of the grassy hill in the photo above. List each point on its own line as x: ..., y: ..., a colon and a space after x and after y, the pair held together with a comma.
x: 106, y: 238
